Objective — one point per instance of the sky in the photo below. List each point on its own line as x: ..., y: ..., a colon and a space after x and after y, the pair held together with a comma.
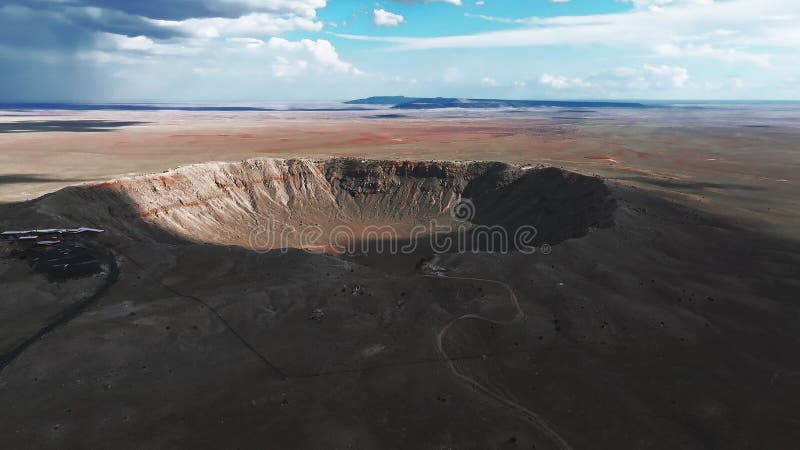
x: 318, y: 50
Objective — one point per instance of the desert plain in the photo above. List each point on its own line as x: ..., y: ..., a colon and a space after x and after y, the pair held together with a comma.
x: 662, y: 313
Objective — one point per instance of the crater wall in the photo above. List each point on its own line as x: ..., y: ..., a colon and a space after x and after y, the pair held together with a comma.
x: 223, y: 203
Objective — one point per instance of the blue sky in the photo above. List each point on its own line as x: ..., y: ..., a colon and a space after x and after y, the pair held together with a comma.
x: 285, y: 50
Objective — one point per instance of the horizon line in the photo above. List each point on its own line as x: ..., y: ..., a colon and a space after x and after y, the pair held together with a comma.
x: 199, y: 102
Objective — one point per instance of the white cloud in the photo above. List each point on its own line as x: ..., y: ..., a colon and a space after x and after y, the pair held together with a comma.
x: 289, y: 58
x: 247, y: 42
x: 302, y: 8
x: 676, y: 76
x: 489, y: 82
x: 383, y: 18
x: 307, y: 54
x: 640, y: 79
x: 553, y: 81
x: 122, y: 42
x: 223, y: 46
x: 561, y: 82
x: 708, y: 51
x: 254, y: 24
x: 107, y: 43
x: 622, y: 81
x: 282, y: 67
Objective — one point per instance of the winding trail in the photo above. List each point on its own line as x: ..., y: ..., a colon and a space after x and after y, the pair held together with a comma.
x: 538, y: 420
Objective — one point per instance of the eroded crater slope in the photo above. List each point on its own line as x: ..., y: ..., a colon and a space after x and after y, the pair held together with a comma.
x: 223, y: 203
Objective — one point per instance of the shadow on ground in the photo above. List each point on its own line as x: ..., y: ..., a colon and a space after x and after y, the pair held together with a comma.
x: 73, y: 126
x: 19, y: 178
x: 690, y: 185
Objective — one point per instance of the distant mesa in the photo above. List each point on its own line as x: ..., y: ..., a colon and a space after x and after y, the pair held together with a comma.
x: 386, y: 116
x: 401, y: 102
x: 385, y: 100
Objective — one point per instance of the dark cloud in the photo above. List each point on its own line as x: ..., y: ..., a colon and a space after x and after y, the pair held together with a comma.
x: 40, y: 23
x: 38, y: 59
x: 64, y: 18
x: 23, y: 28
x: 26, y: 79
x: 182, y: 9
x: 41, y: 42
x: 118, y: 22
x: 165, y: 9
x: 55, y: 49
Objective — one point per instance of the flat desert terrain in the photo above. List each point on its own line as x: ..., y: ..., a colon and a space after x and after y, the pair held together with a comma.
x: 658, y: 309
x: 739, y: 162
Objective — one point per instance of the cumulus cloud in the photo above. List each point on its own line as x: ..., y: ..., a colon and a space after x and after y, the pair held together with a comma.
x: 640, y: 79
x: 620, y: 81
x: 319, y: 55
x: 241, y: 69
x: 674, y: 75
x: 250, y: 43
x: 289, y: 58
x: 111, y: 42
x: 489, y: 82
x: 248, y: 25
x: 561, y: 82
x: 383, y: 18
x: 282, y: 67
x: 708, y: 51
